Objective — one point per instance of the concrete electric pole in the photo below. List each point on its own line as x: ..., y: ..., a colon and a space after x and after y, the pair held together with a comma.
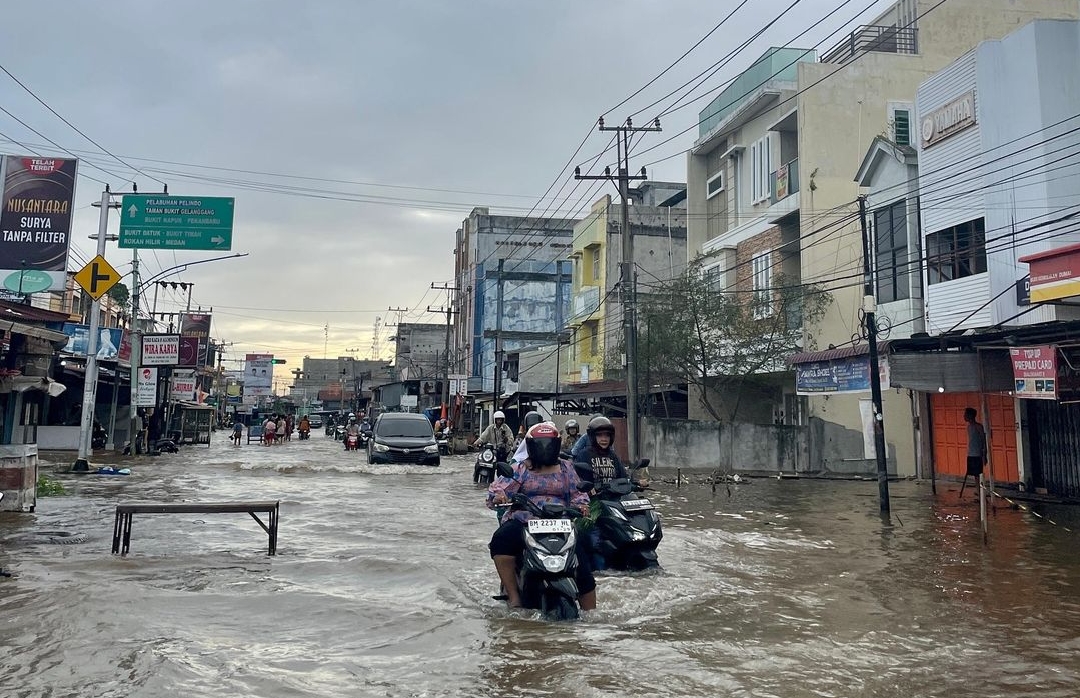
x: 628, y: 277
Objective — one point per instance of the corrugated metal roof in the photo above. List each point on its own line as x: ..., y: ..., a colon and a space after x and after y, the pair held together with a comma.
x: 23, y: 312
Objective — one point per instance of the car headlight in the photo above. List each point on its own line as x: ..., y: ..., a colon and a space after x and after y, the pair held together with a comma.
x: 431, y: 449
x: 382, y: 448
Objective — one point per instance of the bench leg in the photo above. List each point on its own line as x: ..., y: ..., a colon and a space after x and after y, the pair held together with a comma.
x: 127, y: 533
x: 273, y: 531
x: 116, y: 534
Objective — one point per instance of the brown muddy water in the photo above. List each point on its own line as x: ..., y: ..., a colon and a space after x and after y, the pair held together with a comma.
x: 382, y: 587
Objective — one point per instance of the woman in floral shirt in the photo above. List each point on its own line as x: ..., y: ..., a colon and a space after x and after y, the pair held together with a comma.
x: 544, y: 479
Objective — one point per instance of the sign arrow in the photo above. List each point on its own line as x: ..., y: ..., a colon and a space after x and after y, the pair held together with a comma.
x: 217, y: 239
x: 132, y: 210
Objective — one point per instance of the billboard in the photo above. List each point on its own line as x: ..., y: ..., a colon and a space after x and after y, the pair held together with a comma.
x: 35, y: 222
x: 183, y: 385
x: 838, y: 376
x: 197, y: 325
x: 112, y: 342
x: 258, y: 374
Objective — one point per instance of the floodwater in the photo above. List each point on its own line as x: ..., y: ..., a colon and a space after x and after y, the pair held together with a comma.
x: 382, y: 587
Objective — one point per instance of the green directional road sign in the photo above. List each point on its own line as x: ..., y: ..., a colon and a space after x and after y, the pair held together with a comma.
x: 176, y: 222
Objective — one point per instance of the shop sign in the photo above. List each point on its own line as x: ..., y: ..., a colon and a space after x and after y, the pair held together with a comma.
x: 1035, y: 372
x: 160, y: 350
x: 146, y: 388
x: 183, y: 385
x: 837, y: 376
x: 1055, y: 274
x: 956, y: 116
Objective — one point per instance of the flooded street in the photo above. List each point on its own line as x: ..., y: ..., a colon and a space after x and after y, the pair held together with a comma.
x: 382, y: 587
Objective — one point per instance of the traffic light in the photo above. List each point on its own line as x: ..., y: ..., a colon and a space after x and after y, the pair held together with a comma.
x: 278, y: 361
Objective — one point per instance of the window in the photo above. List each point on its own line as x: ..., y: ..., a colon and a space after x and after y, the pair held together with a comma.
x: 902, y: 127
x: 956, y: 252
x: 593, y: 328
x: 762, y: 299
x: 892, y: 268
x: 596, y: 265
x: 714, y: 278
x: 760, y: 169
x: 714, y: 185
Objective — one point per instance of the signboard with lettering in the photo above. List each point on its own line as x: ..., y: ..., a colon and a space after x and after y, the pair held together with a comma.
x: 160, y: 350
x: 35, y: 222
x: 176, y: 222
x: 1035, y: 372
x: 949, y: 120
x: 258, y: 374
x: 838, y: 376
x: 146, y: 387
x: 183, y: 385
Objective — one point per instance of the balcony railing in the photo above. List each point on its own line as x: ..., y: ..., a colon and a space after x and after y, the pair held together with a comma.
x: 876, y: 39
x: 784, y: 182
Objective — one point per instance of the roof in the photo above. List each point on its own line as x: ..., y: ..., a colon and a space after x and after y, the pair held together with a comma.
x: 28, y: 313
x: 836, y: 353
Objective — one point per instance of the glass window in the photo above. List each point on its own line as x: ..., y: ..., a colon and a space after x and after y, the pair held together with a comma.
x: 892, y: 266
x: 714, y: 185
x: 760, y: 169
x: 596, y: 265
x: 762, y: 268
x: 956, y: 252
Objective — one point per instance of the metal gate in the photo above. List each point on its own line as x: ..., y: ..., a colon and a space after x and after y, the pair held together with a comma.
x: 1055, y: 445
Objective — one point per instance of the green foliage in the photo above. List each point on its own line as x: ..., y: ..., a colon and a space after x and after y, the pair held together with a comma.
x: 718, y: 338
x: 49, y: 487
x: 120, y: 294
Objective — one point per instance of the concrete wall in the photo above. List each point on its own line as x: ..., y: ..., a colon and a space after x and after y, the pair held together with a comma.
x: 819, y: 449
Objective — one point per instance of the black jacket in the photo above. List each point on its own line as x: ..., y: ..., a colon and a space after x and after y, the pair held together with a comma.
x: 605, y: 466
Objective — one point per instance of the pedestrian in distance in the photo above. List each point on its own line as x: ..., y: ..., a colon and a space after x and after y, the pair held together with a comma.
x: 976, y: 450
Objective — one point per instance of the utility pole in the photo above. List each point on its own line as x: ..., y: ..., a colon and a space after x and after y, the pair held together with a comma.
x: 136, y: 355
x: 628, y: 277
x: 446, y: 353
x: 869, y: 309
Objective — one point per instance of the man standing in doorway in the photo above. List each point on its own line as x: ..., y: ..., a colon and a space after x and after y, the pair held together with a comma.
x: 976, y: 453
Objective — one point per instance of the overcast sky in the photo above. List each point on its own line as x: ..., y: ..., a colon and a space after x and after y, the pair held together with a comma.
x: 489, y: 97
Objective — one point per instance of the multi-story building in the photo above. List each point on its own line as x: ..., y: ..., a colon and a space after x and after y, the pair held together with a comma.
x: 999, y: 194
x: 533, y: 291
x: 340, y: 383
x: 420, y: 350
x: 658, y: 223
x: 771, y: 191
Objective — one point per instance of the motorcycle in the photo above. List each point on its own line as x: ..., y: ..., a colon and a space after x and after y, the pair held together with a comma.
x: 329, y: 428
x: 484, y: 468
x: 546, y: 568
x: 628, y: 524
x: 305, y: 434
x: 352, y: 442
x: 339, y: 433
x: 442, y: 440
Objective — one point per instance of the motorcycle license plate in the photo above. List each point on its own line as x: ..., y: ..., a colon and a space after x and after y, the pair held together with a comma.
x: 636, y: 504
x: 550, y: 526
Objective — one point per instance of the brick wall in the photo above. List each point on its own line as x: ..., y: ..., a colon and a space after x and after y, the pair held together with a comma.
x: 746, y: 250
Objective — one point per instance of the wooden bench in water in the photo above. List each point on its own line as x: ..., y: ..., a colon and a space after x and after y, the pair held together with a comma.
x: 125, y: 512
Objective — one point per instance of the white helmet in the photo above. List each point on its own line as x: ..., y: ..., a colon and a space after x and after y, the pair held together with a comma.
x: 498, y: 415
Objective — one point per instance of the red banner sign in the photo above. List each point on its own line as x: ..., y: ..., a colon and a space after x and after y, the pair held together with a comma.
x: 1035, y: 372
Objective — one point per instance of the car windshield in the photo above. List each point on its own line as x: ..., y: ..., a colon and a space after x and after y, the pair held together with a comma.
x: 413, y: 428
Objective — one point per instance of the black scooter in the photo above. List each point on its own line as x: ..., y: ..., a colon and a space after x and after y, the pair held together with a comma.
x: 546, y: 568
x: 484, y: 467
x: 628, y: 523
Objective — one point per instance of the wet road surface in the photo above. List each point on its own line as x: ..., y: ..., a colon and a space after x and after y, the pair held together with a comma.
x: 382, y: 587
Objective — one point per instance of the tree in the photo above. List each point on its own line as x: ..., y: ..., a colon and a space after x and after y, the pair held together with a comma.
x: 120, y: 295
x: 723, y: 339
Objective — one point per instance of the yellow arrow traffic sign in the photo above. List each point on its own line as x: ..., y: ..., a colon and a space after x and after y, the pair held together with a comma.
x: 97, y: 277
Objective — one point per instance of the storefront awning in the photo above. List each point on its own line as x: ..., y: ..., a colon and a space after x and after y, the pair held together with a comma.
x: 8, y: 326
x: 20, y: 384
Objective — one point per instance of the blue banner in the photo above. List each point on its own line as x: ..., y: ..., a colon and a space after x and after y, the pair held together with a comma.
x: 109, y: 340
x: 850, y: 375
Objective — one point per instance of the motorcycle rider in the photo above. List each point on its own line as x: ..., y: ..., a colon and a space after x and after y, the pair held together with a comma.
x: 498, y: 435
x: 581, y: 444
x: 599, y: 452
x: 304, y: 427
x: 544, y: 479
x: 352, y: 430
x: 571, y: 433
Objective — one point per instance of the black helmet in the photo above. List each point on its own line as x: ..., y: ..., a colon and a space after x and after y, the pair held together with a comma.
x: 532, y: 419
x: 542, y: 444
x: 599, y: 424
